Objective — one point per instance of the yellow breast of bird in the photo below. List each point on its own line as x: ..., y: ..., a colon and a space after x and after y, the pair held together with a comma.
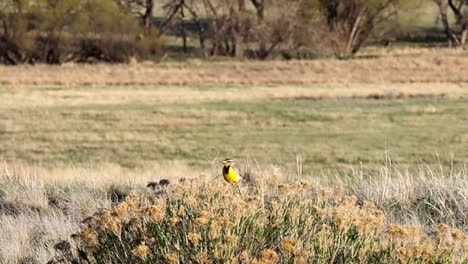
x: 230, y: 174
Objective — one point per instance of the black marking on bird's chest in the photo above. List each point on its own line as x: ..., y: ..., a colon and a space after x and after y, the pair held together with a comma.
x: 226, y: 169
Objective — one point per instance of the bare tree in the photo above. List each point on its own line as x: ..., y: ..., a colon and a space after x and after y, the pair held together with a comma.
x: 229, y: 26
x: 177, y: 12
x: 443, y: 8
x: 351, y: 22
x: 277, y: 21
x: 460, y: 10
x: 144, y: 8
x: 456, y: 36
x: 12, y: 31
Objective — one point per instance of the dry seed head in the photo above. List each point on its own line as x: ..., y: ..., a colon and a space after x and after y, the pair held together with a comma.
x: 233, y: 260
x: 120, y: 210
x: 203, y: 258
x: 269, y: 256
x: 302, y: 257
x: 141, y: 251
x: 182, y: 180
x: 132, y: 199
x: 320, y: 211
x: 194, y: 238
x: 275, y: 205
x: 114, y: 225
x: 200, y: 221
x: 277, y: 224
x: 295, y: 212
x: 191, y: 201
x: 244, y: 256
x: 215, y: 229
x: 443, y: 234
x: 402, y: 253
x: 443, y: 228
x: 397, y: 231
x: 104, y: 214
x: 351, y: 200
x: 178, y: 190
x: 283, y: 189
x: 325, y: 193
x: 304, y: 184
x: 173, y: 221
x: 457, y: 234
x: 181, y: 211
x: 229, y: 224
x: 379, y: 214
x: 155, y: 214
x: 339, y: 194
x: 464, y: 245
x: 89, y: 238
x: 204, y: 213
x: 427, y: 251
x: 220, y: 251
x: 202, y: 177
x: 231, y: 239
x: 369, y: 205
x: 288, y: 245
x: 172, y: 258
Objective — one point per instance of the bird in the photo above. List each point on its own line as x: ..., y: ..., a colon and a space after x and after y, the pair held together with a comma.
x: 229, y: 174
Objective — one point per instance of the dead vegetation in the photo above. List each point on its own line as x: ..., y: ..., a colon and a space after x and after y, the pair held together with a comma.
x: 418, y: 200
x: 424, y: 69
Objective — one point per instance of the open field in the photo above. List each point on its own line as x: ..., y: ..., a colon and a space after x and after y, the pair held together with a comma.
x: 324, y: 136
x: 331, y: 126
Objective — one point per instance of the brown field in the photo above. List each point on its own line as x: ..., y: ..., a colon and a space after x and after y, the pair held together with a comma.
x: 405, y: 68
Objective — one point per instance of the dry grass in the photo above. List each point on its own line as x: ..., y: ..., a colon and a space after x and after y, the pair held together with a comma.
x: 432, y: 67
x: 48, y: 207
x: 58, y: 96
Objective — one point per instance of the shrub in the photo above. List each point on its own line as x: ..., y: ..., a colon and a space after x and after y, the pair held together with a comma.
x: 72, y: 30
x: 294, y: 223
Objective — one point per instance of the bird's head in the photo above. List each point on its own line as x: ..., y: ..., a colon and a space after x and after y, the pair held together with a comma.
x: 228, y: 161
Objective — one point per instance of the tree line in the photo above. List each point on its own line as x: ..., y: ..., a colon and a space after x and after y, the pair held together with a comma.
x: 57, y: 31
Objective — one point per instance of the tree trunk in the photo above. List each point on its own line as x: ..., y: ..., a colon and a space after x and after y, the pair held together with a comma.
x: 182, y: 28
x: 260, y: 8
x: 461, y: 21
x: 451, y: 38
x: 354, y: 35
x: 216, y: 39
x: 201, y: 29
x: 463, y: 37
x: 148, y: 16
x: 238, y: 39
x: 261, y: 18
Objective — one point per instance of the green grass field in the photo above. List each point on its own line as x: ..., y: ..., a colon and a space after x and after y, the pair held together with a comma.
x: 62, y: 126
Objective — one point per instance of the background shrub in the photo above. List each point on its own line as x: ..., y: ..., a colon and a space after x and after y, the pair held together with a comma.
x: 71, y: 30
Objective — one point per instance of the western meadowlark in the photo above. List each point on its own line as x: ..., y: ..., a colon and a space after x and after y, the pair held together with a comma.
x: 229, y: 174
